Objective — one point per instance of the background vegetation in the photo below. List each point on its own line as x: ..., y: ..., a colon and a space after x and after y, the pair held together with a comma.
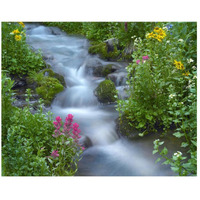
x: 162, y: 80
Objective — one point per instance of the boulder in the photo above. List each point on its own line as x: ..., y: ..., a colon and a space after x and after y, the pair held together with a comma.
x: 111, y: 43
x: 106, y: 91
x: 85, y: 141
x: 118, y: 77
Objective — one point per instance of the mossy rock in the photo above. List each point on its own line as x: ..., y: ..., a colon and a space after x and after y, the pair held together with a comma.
x: 53, y: 74
x: 48, y: 88
x: 125, y: 127
x: 107, y: 70
x: 102, y: 50
x: 106, y: 92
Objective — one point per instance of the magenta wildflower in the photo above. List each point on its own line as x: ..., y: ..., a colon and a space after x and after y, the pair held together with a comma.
x: 68, y: 124
x: 137, y: 61
x: 145, y: 57
x: 57, y: 125
x: 76, y: 132
x: 54, y: 154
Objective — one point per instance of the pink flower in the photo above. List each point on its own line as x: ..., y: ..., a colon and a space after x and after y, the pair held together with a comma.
x: 54, y: 154
x: 57, y: 125
x: 76, y: 132
x: 83, y: 148
x: 58, y: 119
x: 137, y: 61
x: 67, y: 126
x: 145, y: 57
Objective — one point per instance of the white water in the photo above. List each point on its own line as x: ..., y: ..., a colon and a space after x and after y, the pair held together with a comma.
x: 109, y: 155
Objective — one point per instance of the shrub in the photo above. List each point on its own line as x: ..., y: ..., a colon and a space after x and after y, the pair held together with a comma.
x: 162, y: 88
x: 17, y: 56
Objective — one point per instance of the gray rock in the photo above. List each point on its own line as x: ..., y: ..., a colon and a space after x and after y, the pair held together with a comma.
x: 111, y: 43
x: 118, y: 77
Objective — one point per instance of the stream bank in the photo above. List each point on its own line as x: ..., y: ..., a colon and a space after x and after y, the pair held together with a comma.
x: 107, y: 153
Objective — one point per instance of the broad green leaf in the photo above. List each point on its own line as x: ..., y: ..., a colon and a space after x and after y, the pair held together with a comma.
x: 164, y: 151
x: 178, y: 134
x: 184, y: 144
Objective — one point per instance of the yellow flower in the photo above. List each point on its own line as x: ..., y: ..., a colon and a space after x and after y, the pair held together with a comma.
x: 186, y: 73
x: 18, y: 37
x: 156, y: 29
x: 22, y: 24
x: 158, y: 34
x: 179, y: 65
x: 16, y: 31
x: 150, y: 35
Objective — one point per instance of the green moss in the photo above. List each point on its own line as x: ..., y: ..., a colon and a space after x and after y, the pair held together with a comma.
x: 53, y: 74
x: 107, y: 70
x: 126, y: 126
x: 106, y: 91
x: 48, y: 88
x: 102, y: 50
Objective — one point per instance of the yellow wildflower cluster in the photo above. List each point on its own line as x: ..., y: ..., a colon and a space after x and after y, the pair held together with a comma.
x: 158, y: 33
x: 22, y: 24
x: 179, y: 65
x: 186, y: 73
x: 18, y: 37
x: 15, y: 31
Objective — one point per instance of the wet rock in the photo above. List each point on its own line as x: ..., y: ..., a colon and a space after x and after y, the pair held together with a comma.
x: 111, y: 43
x: 124, y: 129
x: 85, y: 141
x: 119, y: 78
x: 105, y: 92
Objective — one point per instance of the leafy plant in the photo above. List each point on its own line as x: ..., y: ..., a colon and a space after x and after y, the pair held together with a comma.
x: 17, y: 56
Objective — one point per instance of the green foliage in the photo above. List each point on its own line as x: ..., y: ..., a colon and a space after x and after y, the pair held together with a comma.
x: 98, y: 32
x: 48, y: 86
x: 66, y: 151
x: 6, y: 103
x: 102, y: 50
x: 162, y: 86
x: 17, y: 56
x: 106, y: 91
x: 27, y: 139
x: 69, y: 27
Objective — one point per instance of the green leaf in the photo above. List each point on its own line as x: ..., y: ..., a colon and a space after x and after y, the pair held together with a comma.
x: 155, y: 151
x: 178, y: 134
x: 164, y: 151
x: 50, y: 160
x: 167, y: 162
x: 160, y: 143
x: 184, y: 144
x: 175, y: 169
x: 157, y: 160
x: 141, y: 124
x: 194, y: 142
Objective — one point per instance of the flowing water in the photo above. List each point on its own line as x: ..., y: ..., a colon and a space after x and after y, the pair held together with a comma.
x: 108, y: 155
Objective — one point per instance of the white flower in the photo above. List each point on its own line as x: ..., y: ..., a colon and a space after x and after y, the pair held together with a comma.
x: 171, y: 96
x: 194, y: 67
x: 165, y: 28
x: 177, y: 154
x: 194, y: 77
x: 180, y: 40
x: 168, y: 41
x: 190, y: 60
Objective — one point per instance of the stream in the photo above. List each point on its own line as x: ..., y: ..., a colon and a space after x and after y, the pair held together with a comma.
x: 109, y: 154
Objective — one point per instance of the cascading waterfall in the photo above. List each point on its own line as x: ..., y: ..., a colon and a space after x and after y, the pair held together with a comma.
x: 109, y: 154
